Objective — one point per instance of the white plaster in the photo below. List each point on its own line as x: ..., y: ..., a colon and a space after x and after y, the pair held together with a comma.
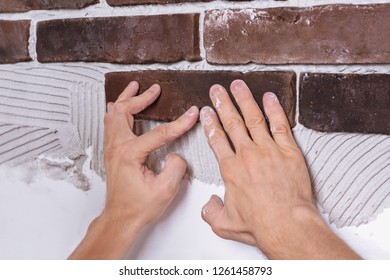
x: 211, y: 133
x: 218, y: 104
x: 55, y: 110
x: 55, y: 216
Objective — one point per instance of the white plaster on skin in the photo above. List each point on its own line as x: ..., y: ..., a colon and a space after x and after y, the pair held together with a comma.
x: 212, y: 133
x: 218, y: 104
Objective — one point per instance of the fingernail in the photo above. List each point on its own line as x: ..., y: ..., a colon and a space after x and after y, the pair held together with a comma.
x: 215, y: 90
x: 192, y: 111
x: 132, y: 84
x: 238, y: 84
x: 271, y: 97
x: 205, y: 115
x: 155, y: 87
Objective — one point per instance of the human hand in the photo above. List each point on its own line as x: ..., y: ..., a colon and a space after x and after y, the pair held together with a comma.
x: 135, y: 195
x: 268, y: 199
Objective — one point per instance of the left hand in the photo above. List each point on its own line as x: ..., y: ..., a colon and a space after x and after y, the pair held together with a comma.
x: 136, y: 194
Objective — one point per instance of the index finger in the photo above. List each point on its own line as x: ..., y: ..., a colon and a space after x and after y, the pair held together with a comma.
x: 165, y: 133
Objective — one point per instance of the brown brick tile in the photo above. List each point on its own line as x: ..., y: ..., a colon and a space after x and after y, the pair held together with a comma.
x: 333, y: 34
x: 140, y: 2
x: 139, y: 39
x: 28, y: 5
x: 14, y: 36
x: 181, y: 90
x: 345, y: 103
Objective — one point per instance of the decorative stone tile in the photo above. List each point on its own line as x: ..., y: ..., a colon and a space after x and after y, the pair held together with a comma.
x: 332, y: 34
x: 182, y: 89
x: 345, y: 102
x: 138, y: 39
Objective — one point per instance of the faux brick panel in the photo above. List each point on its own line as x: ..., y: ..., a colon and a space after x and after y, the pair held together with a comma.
x: 138, y: 2
x: 14, y: 36
x: 181, y: 90
x: 141, y: 39
x: 345, y: 103
x: 28, y: 5
x: 335, y: 34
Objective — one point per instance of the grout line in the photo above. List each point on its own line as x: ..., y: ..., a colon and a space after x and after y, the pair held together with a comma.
x: 298, y: 74
x: 201, y: 35
x: 103, y: 9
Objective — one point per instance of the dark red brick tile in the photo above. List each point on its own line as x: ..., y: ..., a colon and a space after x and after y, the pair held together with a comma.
x: 139, y: 39
x: 345, y: 103
x: 181, y: 90
x: 333, y: 34
x: 141, y: 2
x: 14, y: 36
x: 28, y: 5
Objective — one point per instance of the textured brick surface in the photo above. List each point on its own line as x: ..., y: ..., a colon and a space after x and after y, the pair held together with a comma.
x: 141, y: 39
x: 181, y: 90
x: 347, y: 103
x: 14, y: 37
x: 334, y: 34
x: 138, y: 2
x: 27, y: 5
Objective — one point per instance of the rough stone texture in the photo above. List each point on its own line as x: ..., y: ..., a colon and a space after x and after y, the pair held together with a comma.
x: 138, y: 2
x: 28, y: 5
x: 345, y: 103
x: 140, y: 39
x: 333, y: 34
x: 14, y: 36
x: 181, y: 90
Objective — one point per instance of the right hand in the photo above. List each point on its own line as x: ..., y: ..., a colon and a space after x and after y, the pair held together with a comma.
x: 268, y: 199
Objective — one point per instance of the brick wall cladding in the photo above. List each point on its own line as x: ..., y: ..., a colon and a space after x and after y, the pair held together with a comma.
x: 345, y: 103
x: 328, y: 34
x: 14, y: 36
x: 28, y: 5
x: 143, y: 39
x: 332, y: 34
x: 138, y: 2
x: 181, y: 90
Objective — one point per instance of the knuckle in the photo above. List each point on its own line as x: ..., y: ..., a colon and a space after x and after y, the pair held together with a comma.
x: 121, y: 107
x: 163, y: 131
x: 219, y: 230
x: 280, y: 128
x: 107, y: 119
x: 232, y: 123
x: 214, y: 137
x: 255, y: 122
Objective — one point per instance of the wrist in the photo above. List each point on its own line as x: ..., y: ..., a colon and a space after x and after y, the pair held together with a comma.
x: 302, y: 235
x: 122, y: 226
x: 108, y: 237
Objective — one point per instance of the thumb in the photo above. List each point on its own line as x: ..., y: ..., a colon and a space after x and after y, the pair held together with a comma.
x: 173, y: 172
x: 211, y: 210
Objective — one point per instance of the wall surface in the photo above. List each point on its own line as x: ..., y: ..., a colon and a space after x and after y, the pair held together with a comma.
x: 328, y: 61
